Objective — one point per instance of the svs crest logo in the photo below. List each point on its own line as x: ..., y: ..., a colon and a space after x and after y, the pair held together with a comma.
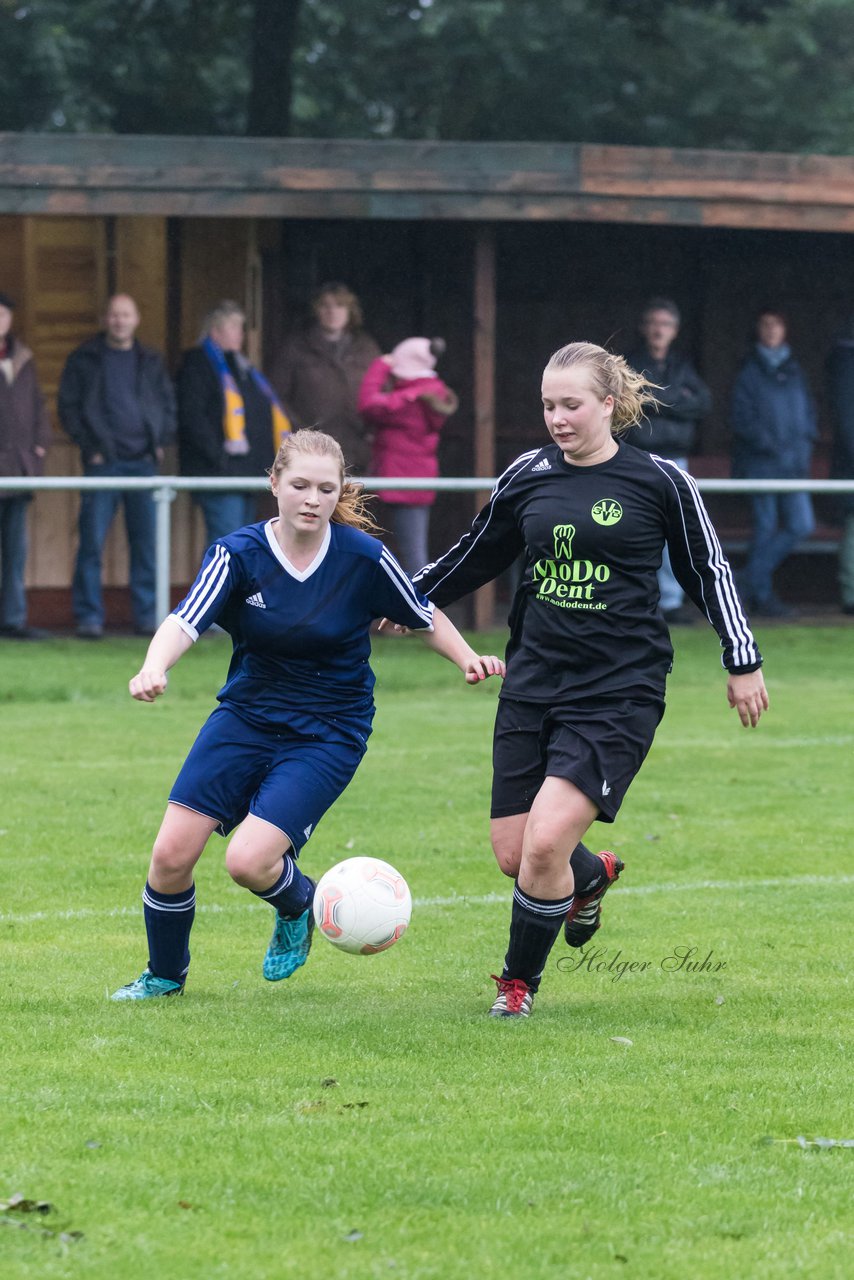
x: 606, y: 511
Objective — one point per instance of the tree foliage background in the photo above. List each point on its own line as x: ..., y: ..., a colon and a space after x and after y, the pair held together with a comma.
x: 749, y: 74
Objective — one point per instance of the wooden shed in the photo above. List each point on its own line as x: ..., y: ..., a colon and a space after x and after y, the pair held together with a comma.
x: 506, y: 249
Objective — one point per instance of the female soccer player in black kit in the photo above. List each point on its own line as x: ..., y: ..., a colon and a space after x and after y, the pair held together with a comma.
x: 589, y: 651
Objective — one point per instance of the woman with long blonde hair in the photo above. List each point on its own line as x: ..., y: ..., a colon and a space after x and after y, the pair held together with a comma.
x: 589, y: 650
x: 297, y: 594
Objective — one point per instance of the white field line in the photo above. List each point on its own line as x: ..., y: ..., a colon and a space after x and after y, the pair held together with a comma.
x: 461, y: 900
x: 663, y: 743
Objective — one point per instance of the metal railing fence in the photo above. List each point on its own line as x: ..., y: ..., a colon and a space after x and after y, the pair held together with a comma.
x: 165, y: 489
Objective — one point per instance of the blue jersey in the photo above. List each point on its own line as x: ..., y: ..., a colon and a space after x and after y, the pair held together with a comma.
x: 301, y: 637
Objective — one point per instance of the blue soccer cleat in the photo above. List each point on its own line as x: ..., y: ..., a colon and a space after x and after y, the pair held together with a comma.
x: 147, y: 986
x: 289, y: 945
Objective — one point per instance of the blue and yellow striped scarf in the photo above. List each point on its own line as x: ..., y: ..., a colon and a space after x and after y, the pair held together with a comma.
x: 234, y: 410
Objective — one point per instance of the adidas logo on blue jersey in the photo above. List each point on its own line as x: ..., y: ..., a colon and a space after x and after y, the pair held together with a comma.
x: 545, y: 465
x: 257, y: 600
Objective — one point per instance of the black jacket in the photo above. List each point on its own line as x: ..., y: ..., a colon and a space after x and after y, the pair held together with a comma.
x: 200, y: 413
x: 81, y: 400
x: 671, y: 430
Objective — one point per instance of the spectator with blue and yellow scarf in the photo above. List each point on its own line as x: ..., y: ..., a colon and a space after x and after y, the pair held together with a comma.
x: 230, y: 422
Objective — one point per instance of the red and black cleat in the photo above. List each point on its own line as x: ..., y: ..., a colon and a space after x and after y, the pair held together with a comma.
x: 514, y: 998
x: 585, y: 915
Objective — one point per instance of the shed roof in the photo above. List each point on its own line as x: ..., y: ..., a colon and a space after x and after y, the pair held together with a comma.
x: 304, y: 178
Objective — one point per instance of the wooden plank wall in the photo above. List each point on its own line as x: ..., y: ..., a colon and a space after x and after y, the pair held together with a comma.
x: 65, y: 283
x: 60, y: 271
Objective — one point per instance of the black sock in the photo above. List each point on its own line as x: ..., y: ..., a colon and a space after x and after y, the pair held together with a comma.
x: 291, y: 893
x: 587, y: 869
x: 168, y: 921
x: 534, y: 926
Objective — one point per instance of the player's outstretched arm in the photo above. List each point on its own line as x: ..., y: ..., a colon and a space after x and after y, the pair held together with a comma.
x: 447, y: 641
x: 168, y: 643
x: 749, y: 697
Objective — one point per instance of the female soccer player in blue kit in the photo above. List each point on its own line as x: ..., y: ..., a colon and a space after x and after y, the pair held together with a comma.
x: 297, y: 594
x: 589, y: 651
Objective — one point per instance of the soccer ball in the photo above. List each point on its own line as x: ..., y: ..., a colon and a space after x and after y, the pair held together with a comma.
x: 362, y: 905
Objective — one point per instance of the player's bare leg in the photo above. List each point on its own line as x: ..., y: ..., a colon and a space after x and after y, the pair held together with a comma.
x: 559, y: 817
x: 169, y: 904
x: 260, y: 857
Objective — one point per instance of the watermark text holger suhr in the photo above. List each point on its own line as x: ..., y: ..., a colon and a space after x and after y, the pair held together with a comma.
x: 681, y: 959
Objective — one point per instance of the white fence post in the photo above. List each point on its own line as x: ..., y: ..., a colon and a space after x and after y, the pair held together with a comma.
x: 163, y: 497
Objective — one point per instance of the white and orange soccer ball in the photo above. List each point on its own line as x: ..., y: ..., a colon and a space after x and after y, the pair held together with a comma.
x: 362, y: 905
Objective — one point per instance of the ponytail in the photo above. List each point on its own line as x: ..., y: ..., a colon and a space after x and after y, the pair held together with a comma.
x: 611, y: 376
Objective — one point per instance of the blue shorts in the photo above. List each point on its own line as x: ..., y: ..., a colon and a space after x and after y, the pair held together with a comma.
x: 235, y: 768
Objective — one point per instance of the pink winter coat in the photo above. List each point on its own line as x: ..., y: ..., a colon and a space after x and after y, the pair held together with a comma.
x: 406, y: 439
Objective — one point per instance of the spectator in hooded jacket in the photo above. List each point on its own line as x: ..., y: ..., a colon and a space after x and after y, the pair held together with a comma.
x: 318, y: 373
x: 774, y: 427
x: 840, y: 388
x: 24, y: 440
x: 407, y: 404
x: 117, y: 403
x: 669, y: 427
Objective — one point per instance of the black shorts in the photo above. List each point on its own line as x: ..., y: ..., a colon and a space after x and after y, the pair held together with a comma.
x: 599, y: 747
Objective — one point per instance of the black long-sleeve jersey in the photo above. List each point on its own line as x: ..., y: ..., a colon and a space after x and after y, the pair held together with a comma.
x: 585, y: 622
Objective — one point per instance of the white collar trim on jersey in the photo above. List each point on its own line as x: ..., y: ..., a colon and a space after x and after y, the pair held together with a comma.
x: 299, y: 574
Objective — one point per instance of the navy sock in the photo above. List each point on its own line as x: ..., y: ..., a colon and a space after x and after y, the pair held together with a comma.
x: 534, y: 926
x: 291, y: 893
x: 587, y: 870
x: 168, y: 921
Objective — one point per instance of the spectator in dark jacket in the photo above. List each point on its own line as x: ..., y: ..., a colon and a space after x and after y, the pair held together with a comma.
x: 24, y: 439
x: 774, y: 425
x: 117, y: 404
x: 670, y: 428
x: 230, y: 421
x: 840, y: 392
x: 318, y: 373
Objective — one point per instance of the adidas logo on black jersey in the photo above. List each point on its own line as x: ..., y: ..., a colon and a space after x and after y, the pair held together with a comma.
x: 257, y: 600
x: 545, y: 465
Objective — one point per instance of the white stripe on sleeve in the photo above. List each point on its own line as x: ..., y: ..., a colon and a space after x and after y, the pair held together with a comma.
x: 208, y: 586
x: 744, y: 648
x: 405, y: 587
x: 501, y: 483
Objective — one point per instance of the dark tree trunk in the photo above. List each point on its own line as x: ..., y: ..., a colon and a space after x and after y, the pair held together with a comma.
x: 274, y: 28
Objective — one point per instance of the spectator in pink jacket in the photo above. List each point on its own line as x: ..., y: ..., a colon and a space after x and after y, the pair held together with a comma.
x: 405, y: 404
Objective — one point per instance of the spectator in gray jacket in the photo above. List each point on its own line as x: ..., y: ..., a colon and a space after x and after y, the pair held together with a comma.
x: 670, y: 427
x: 117, y: 403
x: 774, y: 426
x: 24, y: 439
x: 840, y: 392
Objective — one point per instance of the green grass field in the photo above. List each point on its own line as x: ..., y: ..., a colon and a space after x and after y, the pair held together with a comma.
x: 367, y: 1119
